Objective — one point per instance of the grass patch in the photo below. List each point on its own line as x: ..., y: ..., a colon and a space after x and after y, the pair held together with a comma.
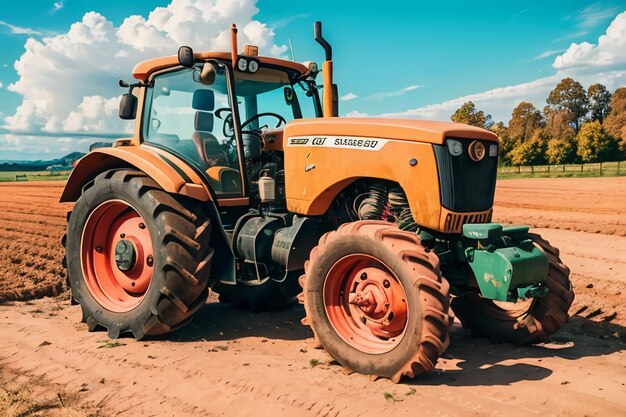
x: 108, y: 344
x: 314, y: 362
x: 10, y: 176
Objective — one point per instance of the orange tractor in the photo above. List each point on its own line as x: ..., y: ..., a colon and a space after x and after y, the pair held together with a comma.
x: 241, y: 178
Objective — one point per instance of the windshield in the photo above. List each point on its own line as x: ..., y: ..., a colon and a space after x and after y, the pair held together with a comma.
x: 195, y: 120
x: 272, y: 90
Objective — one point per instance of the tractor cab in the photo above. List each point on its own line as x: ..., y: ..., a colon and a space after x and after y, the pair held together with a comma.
x: 215, y: 111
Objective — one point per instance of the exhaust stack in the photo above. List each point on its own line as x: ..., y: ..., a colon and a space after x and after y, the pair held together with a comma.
x: 330, y: 99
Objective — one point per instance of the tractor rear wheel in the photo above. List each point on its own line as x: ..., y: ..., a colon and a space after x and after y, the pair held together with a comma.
x: 137, y: 258
x: 376, y: 301
x: 524, y: 322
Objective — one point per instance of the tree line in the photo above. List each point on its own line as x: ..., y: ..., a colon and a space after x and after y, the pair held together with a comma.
x: 575, y: 126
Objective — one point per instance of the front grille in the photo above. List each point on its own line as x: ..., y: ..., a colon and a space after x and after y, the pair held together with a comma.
x: 466, y: 185
x: 454, y: 222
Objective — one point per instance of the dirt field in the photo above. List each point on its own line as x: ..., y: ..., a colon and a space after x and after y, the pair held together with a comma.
x: 231, y: 362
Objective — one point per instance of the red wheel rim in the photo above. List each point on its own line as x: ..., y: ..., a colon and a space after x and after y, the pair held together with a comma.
x: 119, y: 283
x: 365, y: 303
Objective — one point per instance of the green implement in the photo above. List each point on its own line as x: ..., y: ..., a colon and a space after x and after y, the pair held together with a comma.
x: 506, y: 263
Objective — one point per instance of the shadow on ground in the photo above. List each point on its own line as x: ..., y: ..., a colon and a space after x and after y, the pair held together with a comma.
x: 480, y: 362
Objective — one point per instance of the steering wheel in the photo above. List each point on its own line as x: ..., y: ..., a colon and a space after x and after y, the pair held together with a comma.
x: 281, y: 119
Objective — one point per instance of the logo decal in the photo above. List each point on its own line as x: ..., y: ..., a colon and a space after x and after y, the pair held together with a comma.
x: 345, y: 142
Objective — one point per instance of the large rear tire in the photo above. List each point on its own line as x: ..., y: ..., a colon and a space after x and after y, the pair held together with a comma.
x: 522, y: 322
x: 376, y: 301
x: 138, y: 259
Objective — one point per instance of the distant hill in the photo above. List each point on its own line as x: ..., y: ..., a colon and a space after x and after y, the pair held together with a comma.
x: 40, y: 165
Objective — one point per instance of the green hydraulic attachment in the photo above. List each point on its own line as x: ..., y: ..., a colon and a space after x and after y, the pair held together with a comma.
x: 505, y: 261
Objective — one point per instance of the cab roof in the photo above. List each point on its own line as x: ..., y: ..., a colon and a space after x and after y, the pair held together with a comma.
x: 143, y: 70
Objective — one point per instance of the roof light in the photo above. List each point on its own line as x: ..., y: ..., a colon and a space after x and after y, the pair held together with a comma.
x: 251, y: 50
x: 455, y: 147
x: 242, y: 64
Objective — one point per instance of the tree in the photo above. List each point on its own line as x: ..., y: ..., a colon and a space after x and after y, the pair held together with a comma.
x: 505, y: 145
x: 560, y: 151
x: 468, y: 115
x: 559, y: 124
x: 615, y: 122
x: 530, y: 152
x: 595, y: 144
x: 569, y: 95
x: 525, y: 119
x: 599, y: 102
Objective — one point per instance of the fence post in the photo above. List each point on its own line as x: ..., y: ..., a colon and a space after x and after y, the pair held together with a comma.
x: 600, y: 168
x: 582, y: 166
x: 618, y: 162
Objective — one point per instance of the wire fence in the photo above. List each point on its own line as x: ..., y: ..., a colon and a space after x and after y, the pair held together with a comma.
x: 598, y: 168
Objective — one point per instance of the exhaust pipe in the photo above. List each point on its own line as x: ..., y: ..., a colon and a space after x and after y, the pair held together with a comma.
x: 330, y: 99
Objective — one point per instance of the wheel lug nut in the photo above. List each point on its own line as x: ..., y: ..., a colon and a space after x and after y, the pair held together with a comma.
x: 150, y: 260
x: 122, y: 235
x: 142, y: 226
x: 386, y: 283
x: 364, y: 275
x: 363, y: 320
x: 99, y: 249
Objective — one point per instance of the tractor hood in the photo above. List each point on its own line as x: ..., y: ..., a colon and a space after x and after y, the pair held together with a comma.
x: 399, y: 129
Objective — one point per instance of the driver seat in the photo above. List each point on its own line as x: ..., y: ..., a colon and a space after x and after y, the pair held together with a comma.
x: 207, y: 145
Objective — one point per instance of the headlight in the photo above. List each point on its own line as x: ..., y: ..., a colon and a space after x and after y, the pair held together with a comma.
x: 455, y: 147
x: 253, y: 67
x: 242, y: 64
x: 493, y: 150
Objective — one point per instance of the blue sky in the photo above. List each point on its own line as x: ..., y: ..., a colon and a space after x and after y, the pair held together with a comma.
x: 409, y: 59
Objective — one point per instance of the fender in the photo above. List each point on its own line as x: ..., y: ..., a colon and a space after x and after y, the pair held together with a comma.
x: 155, y: 165
x: 172, y: 174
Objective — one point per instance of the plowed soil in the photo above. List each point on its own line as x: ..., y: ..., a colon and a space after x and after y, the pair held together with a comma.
x: 235, y: 363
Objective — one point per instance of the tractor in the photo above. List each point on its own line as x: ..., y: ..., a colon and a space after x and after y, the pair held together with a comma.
x: 241, y: 178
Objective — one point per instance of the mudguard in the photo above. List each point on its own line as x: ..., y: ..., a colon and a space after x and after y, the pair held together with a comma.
x: 172, y: 174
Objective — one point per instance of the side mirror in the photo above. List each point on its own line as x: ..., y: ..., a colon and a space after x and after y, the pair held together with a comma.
x: 185, y: 56
x: 128, y: 106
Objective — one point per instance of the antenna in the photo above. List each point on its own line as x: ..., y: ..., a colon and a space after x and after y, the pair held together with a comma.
x: 293, y: 54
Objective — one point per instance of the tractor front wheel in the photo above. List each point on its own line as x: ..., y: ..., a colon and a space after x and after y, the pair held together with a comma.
x: 524, y: 322
x: 375, y: 300
x: 138, y: 259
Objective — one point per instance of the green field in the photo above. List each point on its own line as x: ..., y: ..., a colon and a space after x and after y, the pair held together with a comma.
x: 33, y: 176
x: 604, y: 169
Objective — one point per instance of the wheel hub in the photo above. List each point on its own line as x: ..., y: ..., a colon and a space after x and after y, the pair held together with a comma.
x: 125, y: 255
x: 366, y: 303
x: 117, y: 256
x: 379, y: 301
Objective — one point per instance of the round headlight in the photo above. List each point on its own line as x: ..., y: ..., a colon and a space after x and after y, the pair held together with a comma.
x: 242, y: 64
x: 455, y: 147
x: 476, y: 151
x: 253, y: 66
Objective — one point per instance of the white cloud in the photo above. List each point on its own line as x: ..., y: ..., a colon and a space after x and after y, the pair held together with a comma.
x: 16, y: 30
x: 610, y: 51
x: 595, y: 14
x: 57, y: 6
x: 548, y: 53
x: 355, y: 113
x: 402, y: 91
x: 604, y: 62
x: 348, y: 97
x: 1, y: 85
x: 68, y: 81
